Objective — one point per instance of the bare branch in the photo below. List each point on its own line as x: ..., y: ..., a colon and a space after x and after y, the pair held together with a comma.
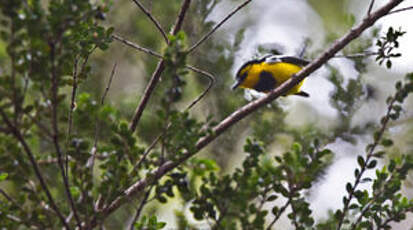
x: 36, y: 169
x: 10, y: 199
x: 157, y: 73
x: 211, y: 79
x: 356, y: 55
x: 206, y: 36
x: 4, y: 130
x: 146, y: 95
x: 370, y: 7
x: 137, y: 47
x: 400, y: 10
x: 150, y: 16
x: 55, y: 103
x: 102, y: 101
x: 72, y: 108
x: 254, y: 105
x: 193, y: 103
x: 147, y: 151
x: 181, y: 16
x: 140, y: 208
x: 279, y: 213
x: 91, y: 160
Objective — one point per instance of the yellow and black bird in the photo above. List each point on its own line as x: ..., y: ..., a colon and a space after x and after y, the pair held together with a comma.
x: 269, y: 72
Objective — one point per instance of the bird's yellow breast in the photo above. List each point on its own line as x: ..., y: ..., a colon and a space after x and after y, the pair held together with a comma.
x: 280, y: 72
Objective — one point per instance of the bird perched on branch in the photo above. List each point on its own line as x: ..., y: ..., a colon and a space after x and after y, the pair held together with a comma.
x: 269, y: 72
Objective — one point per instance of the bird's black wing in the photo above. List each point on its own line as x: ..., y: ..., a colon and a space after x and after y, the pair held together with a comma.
x: 287, y: 59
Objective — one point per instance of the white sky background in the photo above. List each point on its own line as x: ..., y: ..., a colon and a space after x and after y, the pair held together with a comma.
x: 289, y: 22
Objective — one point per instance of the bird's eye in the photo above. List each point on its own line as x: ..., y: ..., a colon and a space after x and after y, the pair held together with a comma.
x: 243, y: 76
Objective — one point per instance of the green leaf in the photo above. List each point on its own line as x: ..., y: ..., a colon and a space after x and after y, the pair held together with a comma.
x: 3, y: 176
x: 349, y: 188
x: 272, y: 198
x: 387, y: 142
x: 360, y: 161
x: 372, y: 164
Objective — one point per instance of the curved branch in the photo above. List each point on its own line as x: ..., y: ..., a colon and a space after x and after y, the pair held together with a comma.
x: 137, y: 47
x: 157, y: 24
x: 211, y: 79
x: 157, y: 73
x: 36, y: 169
x: 206, y: 36
x: 400, y: 10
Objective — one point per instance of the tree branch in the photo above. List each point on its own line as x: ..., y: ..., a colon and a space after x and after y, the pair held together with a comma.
x: 369, y: 155
x: 157, y: 73
x: 280, y: 212
x: 147, y: 94
x: 140, y: 208
x: 36, y: 169
x: 91, y: 160
x: 55, y: 104
x: 192, y: 68
x: 400, y: 10
x: 157, y: 24
x: 137, y: 47
x: 207, y: 35
x: 181, y: 16
x: 370, y: 7
x: 211, y: 83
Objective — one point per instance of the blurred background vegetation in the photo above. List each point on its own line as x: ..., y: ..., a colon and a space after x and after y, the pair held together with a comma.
x: 348, y: 99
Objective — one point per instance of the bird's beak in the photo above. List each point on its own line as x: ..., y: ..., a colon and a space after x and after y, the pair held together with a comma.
x: 236, y: 84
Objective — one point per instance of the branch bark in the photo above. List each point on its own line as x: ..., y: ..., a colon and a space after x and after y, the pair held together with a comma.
x: 55, y: 104
x: 207, y: 35
x: 157, y: 73
x: 36, y: 169
x: 150, y: 16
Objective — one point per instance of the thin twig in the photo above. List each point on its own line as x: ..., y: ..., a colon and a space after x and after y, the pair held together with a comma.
x: 135, y: 46
x: 157, y: 73
x: 364, y: 167
x: 250, y: 108
x: 147, y: 151
x: 400, y: 10
x: 207, y: 35
x: 150, y: 16
x: 55, y: 103
x: 91, y: 160
x: 102, y: 101
x: 370, y: 7
x: 140, y: 208
x: 211, y: 79
x: 190, y: 106
x: 4, y: 130
x: 181, y: 16
x: 392, y: 218
x: 9, y: 198
x: 72, y: 108
x: 147, y: 94
x: 73, y: 99
x: 356, y: 55
x: 279, y: 213
x: 192, y: 68
x: 36, y: 169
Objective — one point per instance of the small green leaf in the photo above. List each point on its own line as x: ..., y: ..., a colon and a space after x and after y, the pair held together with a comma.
x: 360, y: 161
x: 372, y: 164
x: 3, y: 176
x: 387, y: 142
